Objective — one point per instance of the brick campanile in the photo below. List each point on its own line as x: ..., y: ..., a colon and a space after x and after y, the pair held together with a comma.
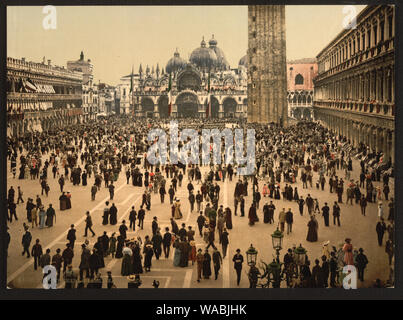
x: 267, y: 77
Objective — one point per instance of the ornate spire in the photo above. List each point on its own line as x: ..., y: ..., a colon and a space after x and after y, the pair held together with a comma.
x: 140, y: 69
x: 212, y: 42
x: 203, y: 43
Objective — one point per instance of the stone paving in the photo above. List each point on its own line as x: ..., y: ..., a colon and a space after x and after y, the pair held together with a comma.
x: 21, y: 273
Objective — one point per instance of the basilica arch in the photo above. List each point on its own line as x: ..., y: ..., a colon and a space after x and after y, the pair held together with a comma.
x: 229, y: 106
x: 189, y: 79
x: 163, y: 107
x: 187, y: 105
x: 147, y: 106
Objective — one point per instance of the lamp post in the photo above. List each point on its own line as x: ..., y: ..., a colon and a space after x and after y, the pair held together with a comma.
x: 251, y: 255
x: 253, y: 275
x: 275, y: 273
x: 274, y: 268
x: 300, y: 256
x: 277, y: 240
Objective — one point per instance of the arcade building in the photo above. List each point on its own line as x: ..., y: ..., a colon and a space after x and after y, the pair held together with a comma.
x: 41, y: 96
x: 355, y: 87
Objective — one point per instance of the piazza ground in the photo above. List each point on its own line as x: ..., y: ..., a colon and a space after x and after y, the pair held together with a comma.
x: 360, y: 229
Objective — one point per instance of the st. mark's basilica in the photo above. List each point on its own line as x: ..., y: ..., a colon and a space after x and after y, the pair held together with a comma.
x: 206, y: 75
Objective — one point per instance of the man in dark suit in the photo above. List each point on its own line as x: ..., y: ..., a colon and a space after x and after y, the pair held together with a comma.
x: 200, y: 223
x: 333, y: 269
x: 132, y: 219
x: 217, y: 261
x: 238, y: 260
x: 123, y: 229
x: 71, y: 236
x: 380, y: 230
x: 140, y: 215
x: 289, y: 219
x: 182, y: 232
x: 88, y: 224
x: 325, y: 214
x: 166, y: 242
x: 154, y: 226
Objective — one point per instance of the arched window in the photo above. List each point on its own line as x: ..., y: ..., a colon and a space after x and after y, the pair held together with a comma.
x: 299, y: 79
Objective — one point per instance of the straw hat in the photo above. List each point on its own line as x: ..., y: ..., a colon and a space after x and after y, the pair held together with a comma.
x: 132, y: 277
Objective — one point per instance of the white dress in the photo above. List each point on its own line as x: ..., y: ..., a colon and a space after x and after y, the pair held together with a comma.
x: 380, y: 212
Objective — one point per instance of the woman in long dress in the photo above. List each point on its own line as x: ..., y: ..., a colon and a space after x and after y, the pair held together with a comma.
x: 137, y: 267
x: 296, y: 196
x: 380, y: 210
x: 228, y: 218
x: 99, y: 247
x: 112, y: 245
x: 105, y: 217
x: 192, y: 252
x: 84, y: 178
x: 26, y: 172
x: 312, y: 230
x: 68, y: 200
x: 22, y: 172
x: 178, y: 213
x: 184, y: 258
x: 148, y: 254
x: 42, y: 217
x: 119, y: 248
x: 177, y: 254
x: 207, y: 265
x: 277, y: 193
x: 127, y: 261
x: 50, y: 214
x: 252, y: 215
x: 348, y: 252
x: 265, y: 191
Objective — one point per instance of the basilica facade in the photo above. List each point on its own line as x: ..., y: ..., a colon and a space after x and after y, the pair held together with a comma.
x: 206, y: 78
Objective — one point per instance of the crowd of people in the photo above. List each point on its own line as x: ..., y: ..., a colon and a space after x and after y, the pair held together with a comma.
x: 95, y: 154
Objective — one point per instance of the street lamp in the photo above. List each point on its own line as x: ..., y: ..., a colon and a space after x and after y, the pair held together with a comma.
x: 300, y: 255
x: 299, y: 258
x: 275, y: 273
x: 251, y: 255
x: 277, y: 240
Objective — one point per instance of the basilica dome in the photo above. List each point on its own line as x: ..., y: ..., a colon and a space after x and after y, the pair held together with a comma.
x: 243, y: 61
x: 175, y: 64
x: 222, y: 63
x: 203, y: 57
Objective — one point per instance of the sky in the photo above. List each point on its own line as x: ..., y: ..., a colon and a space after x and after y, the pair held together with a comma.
x: 116, y: 38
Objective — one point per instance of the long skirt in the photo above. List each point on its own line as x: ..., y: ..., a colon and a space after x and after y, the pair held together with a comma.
x: 177, y: 257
